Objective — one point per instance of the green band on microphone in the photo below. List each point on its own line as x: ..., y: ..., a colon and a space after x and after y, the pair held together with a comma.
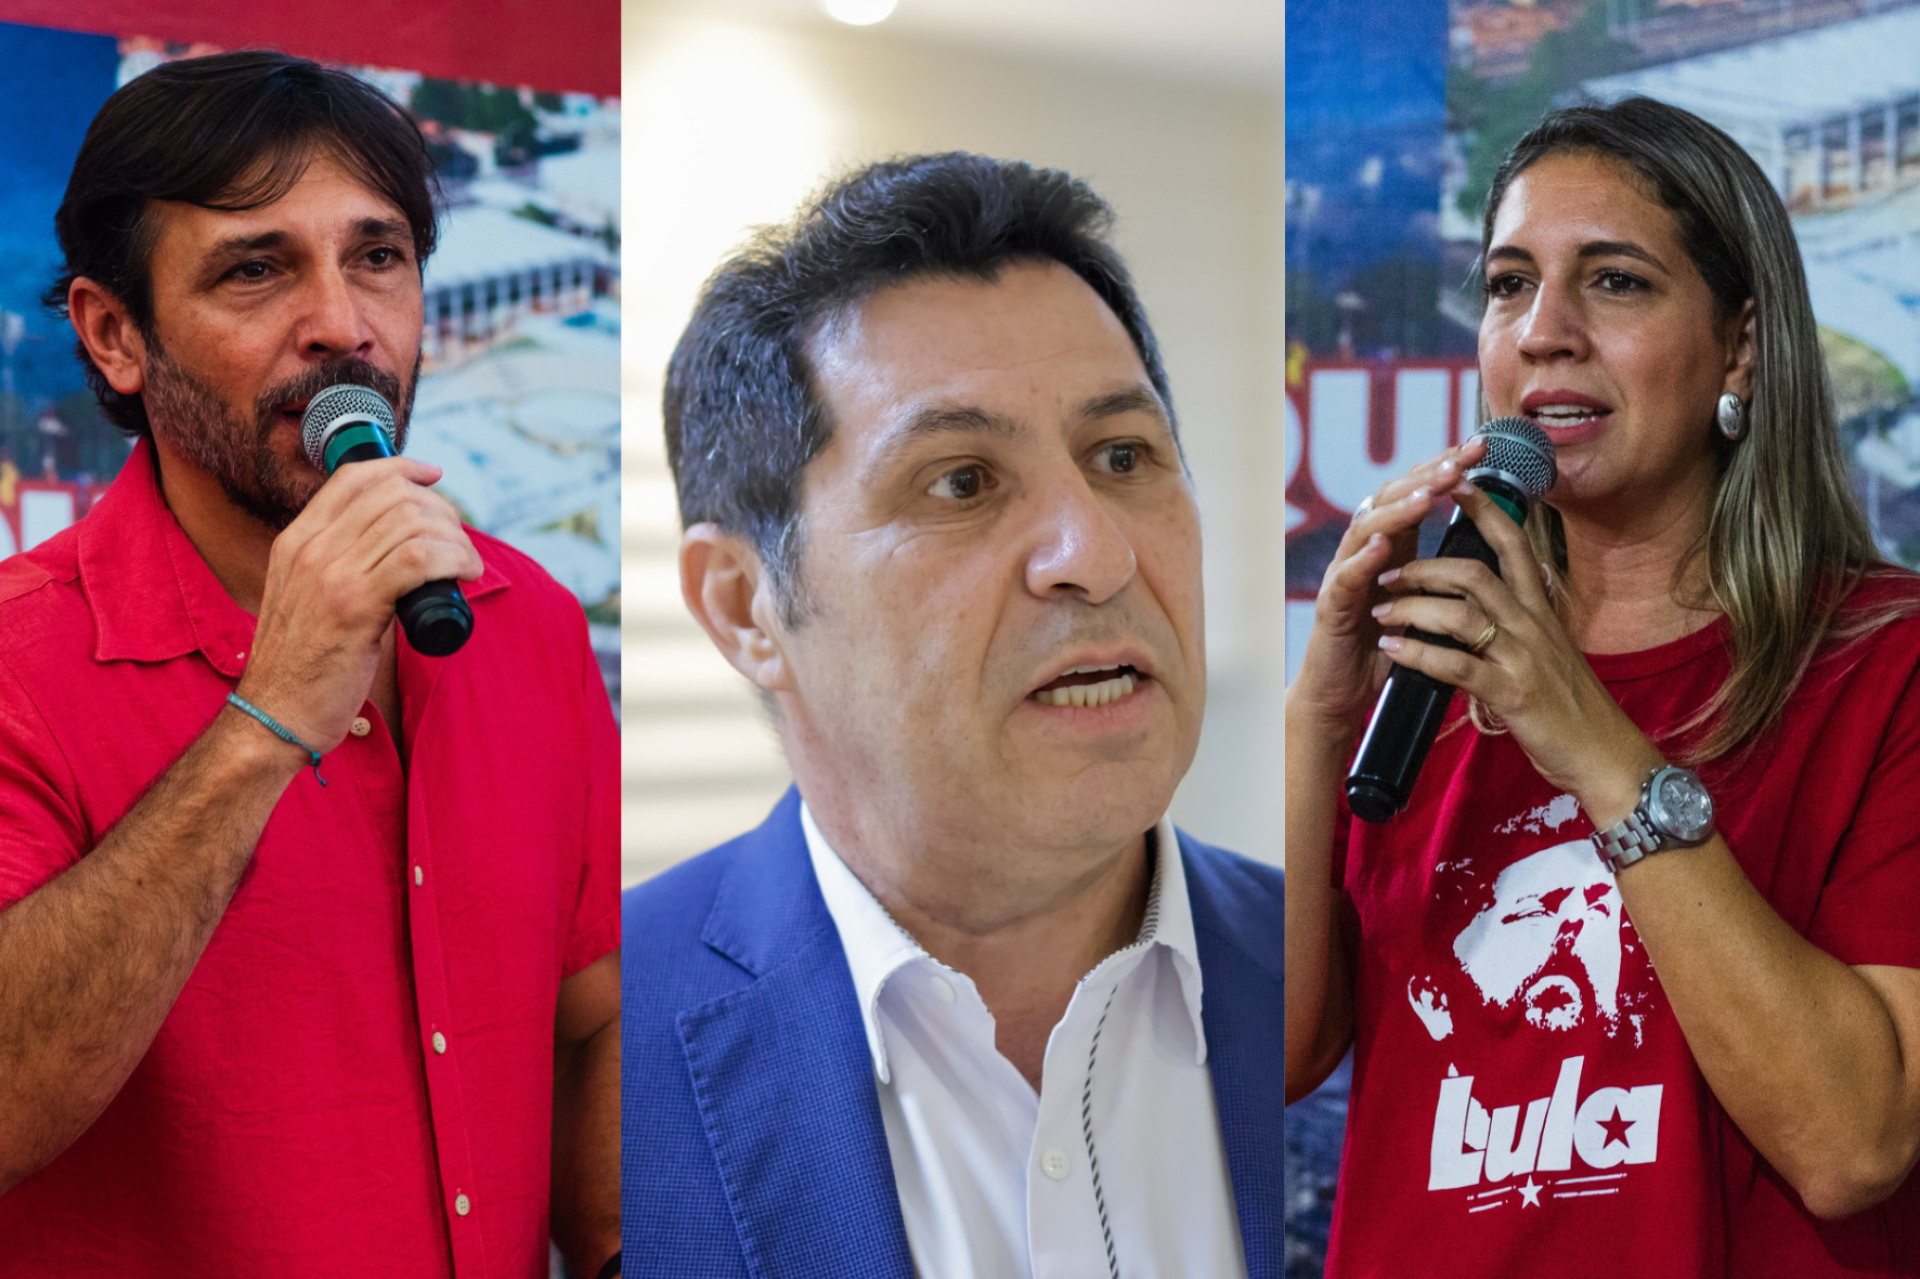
x: 353, y: 436
x: 1511, y: 508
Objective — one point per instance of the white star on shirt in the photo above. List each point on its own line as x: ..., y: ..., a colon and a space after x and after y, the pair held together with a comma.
x: 1530, y: 1194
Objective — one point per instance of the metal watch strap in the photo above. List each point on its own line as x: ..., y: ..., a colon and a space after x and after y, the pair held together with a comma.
x: 1627, y: 841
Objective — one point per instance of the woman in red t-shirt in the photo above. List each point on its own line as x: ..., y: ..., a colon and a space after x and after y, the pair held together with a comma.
x: 1696, y: 1052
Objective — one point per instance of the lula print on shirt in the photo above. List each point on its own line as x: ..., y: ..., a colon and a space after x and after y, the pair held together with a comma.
x: 1542, y: 948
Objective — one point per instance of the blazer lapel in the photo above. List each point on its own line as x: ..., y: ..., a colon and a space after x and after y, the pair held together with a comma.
x: 784, y: 1078
x: 1245, y: 1024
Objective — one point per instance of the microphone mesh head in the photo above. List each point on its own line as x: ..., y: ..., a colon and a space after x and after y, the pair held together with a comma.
x: 1519, y: 447
x: 339, y: 405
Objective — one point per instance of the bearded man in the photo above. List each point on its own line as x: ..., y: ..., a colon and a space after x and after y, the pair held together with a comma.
x: 308, y: 942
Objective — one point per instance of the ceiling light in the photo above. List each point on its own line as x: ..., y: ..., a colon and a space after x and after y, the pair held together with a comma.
x: 860, y: 13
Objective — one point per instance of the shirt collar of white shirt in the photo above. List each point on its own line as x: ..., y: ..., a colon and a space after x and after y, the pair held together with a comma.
x: 877, y: 947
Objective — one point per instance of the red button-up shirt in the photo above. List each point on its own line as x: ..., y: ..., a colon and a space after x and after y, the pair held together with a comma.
x: 357, y: 1079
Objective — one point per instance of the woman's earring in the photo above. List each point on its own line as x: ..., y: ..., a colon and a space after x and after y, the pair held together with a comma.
x: 1732, y: 416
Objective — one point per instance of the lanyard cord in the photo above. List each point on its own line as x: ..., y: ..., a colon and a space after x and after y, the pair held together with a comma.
x: 1086, y: 1130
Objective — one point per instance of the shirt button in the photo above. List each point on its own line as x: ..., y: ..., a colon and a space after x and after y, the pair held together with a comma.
x: 943, y: 990
x: 360, y: 727
x: 462, y: 1205
x: 1055, y: 1163
x: 419, y: 877
x: 439, y: 1042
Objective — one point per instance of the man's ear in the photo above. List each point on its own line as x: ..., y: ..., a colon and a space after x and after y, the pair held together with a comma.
x: 726, y: 589
x: 107, y: 330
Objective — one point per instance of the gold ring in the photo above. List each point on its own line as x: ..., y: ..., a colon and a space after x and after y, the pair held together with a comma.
x: 1479, y: 646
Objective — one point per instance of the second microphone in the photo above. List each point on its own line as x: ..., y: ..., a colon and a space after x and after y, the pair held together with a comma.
x: 1516, y: 471
x: 348, y: 423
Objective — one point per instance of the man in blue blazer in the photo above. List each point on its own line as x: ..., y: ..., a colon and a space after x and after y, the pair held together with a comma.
x: 966, y: 1004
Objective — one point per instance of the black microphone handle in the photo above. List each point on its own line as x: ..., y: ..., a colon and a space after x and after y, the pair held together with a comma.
x: 1413, y: 704
x: 435, y: 615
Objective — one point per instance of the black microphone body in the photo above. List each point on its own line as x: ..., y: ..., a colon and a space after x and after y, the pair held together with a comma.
x: 1413, y: 704
x: 348, y: 423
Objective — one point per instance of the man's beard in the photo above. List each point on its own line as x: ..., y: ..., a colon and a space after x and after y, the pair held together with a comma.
x: 209, y: 431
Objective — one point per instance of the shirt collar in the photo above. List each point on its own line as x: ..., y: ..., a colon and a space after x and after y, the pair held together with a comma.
x: 152, y: 596
x: 877, y: 947
x: 1169, y: 923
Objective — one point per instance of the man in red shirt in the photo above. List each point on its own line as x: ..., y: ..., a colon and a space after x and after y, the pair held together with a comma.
x: 251, y: 1023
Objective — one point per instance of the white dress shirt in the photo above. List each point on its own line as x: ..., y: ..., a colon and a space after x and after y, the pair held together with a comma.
x: 1114, y: 1168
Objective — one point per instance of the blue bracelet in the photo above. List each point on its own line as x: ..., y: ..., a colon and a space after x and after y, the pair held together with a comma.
x: 273, y: 727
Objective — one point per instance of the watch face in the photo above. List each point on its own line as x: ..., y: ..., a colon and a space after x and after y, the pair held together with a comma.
x: 1681, y: 806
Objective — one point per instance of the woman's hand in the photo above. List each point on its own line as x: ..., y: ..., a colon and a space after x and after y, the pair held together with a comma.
x: 1343, y: 667
x: 1528, y: 671
x: 1327, y: 705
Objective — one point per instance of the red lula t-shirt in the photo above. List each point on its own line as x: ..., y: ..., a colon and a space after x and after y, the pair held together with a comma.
x: 1524, y: 1101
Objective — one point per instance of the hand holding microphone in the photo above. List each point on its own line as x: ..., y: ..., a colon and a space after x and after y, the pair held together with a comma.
x: 348, y: 423
x: 364, y: 544
x: 1534, y: 677
x: 1516, y: 469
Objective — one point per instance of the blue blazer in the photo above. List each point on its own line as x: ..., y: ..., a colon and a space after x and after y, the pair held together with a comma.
x: 750, y: 1133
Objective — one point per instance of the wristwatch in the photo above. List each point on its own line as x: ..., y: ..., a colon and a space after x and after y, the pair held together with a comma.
x: 1675, y: 811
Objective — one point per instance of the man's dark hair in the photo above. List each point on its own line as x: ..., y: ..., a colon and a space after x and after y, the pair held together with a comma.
x: 231, y: 131
x: 743, y: 417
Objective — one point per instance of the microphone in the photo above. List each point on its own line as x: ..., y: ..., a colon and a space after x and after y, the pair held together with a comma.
x: 1516, y: 471
x: 348, y: 423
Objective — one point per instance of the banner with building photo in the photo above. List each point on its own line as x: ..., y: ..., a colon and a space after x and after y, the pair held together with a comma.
x: 1374, y: 377
x: 519, y: 393
x: 1825, y: 95
x: 1374, y: 372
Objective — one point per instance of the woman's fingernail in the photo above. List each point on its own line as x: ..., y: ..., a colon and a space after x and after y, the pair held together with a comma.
x: 1391, y: 643
x: 1418, y: 495
x: 1389, y: 577
x: 1446, y: 467
x: 1381, y: 610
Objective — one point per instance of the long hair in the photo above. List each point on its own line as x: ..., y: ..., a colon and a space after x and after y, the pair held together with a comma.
x: 1785, y: 543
